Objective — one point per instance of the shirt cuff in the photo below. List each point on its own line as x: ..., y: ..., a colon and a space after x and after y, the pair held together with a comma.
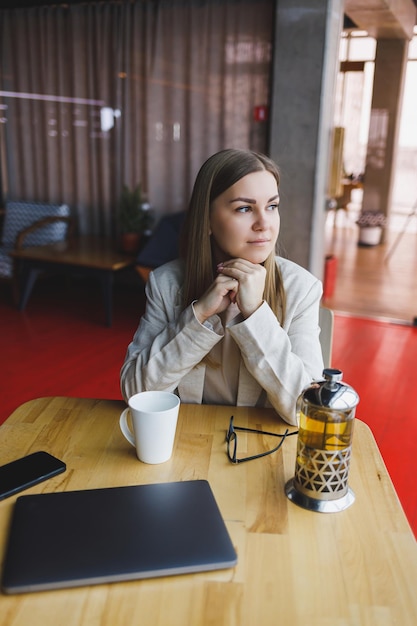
x: 213, y: 323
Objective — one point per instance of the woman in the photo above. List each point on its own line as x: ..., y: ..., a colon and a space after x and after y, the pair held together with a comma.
x: 229, y: 322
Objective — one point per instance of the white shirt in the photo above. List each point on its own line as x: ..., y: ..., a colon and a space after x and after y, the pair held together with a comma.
x: 221, y: 380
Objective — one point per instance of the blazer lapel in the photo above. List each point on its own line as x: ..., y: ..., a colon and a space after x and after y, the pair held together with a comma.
x: 191, y: 387
x: 249, y: 389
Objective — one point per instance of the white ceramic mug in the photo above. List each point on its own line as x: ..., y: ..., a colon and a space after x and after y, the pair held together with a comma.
x: 154, y: 416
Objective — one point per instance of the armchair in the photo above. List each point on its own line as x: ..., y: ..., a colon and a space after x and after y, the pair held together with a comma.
x: 31, y: 224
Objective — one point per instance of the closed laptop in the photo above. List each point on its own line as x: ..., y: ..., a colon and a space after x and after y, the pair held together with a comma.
x: 74, y: 538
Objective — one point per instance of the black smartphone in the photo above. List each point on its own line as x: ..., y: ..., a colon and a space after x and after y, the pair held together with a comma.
x: 28, y: 471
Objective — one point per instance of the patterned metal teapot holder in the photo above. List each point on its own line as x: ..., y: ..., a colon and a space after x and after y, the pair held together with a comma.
x: 326, y: 418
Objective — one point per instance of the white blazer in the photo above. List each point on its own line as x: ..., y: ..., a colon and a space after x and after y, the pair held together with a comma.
x: 277, y: 362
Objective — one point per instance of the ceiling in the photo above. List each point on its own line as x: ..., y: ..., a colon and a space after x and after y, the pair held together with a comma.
x: 22, y: 4
x: 382, y: 19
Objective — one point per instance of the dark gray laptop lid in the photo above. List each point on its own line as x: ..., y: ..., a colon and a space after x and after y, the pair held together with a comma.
x: 74, y: 538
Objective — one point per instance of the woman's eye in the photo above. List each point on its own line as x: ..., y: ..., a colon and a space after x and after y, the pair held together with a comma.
x: 273, y: 207
x: 243, y: 209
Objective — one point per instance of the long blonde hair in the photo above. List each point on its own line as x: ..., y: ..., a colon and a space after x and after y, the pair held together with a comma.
x: 218, y: 173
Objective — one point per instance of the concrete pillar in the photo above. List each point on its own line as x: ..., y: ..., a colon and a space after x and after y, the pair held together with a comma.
x: 390, y: 66
x: 305, y: 65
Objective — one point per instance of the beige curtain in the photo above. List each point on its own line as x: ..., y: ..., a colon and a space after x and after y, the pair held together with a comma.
x: 96, y: 95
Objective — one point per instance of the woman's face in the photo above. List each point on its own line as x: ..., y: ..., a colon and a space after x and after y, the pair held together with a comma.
x: 244, y: 220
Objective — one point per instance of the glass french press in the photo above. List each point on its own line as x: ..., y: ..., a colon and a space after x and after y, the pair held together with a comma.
x: 326, y: 418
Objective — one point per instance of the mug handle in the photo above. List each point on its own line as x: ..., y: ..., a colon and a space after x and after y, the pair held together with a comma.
x: 124, y: 427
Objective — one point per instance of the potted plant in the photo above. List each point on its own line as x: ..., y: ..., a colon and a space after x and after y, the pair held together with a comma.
x: 370, y: 225
x: 134, y: 217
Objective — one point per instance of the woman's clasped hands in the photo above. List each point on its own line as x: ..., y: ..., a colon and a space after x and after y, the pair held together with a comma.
x: 237, y: 280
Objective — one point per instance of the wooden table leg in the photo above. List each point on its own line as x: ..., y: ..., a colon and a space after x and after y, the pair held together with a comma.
x: 107, y: 287
x: 30, y: 274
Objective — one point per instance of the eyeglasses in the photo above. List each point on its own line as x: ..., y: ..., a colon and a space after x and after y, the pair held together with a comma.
x: 231, y: 439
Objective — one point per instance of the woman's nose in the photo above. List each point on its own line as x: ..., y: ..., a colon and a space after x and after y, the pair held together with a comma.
x: 260, y: 222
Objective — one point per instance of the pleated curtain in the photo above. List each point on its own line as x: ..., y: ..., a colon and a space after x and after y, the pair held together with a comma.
x: 101, y: 94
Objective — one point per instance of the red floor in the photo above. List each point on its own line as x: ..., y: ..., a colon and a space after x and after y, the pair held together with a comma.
x: 68, y: 351
x: 60, y: 346
x: 379, y: 360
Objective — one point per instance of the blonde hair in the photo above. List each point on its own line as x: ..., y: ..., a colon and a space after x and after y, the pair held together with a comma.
x: 218, y: 173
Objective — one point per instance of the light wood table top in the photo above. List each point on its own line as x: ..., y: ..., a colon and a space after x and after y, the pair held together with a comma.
x: 295, y: 567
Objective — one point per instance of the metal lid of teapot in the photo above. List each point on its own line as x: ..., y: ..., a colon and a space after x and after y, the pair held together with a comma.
x: 331, y: 393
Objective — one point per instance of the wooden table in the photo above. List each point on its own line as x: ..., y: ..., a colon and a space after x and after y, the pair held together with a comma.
x: 87, y: 256
x: 295, y: 567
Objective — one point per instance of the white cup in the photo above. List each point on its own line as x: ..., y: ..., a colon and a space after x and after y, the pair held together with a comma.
x: 154, y: 416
